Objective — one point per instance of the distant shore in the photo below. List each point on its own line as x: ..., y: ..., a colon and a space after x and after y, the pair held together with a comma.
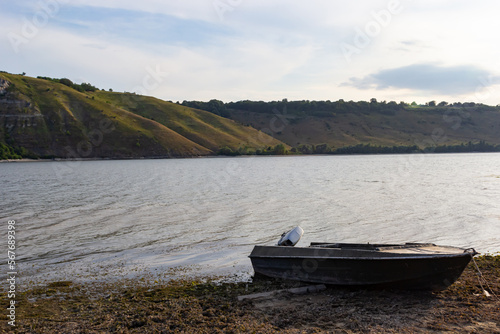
x: 100, y: 159
x: 206, y: 307
x: 25, y: 160
x: 221, y: 156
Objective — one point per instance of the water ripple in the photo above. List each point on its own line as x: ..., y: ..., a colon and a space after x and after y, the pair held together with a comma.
x: 132, y: 217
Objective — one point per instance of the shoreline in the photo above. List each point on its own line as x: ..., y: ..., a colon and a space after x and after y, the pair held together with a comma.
x: 228, y: 156
x: 209, y: 307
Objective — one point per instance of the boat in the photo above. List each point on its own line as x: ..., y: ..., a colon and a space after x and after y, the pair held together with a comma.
x: 419, y: 266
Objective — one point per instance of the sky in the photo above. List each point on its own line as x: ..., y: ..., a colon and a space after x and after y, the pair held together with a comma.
x: 232, y: 50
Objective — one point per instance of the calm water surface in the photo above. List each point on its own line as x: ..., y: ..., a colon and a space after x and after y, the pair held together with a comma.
x: 196, y: 217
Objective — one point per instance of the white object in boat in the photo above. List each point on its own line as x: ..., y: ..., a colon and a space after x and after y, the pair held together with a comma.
x: 291, y: 237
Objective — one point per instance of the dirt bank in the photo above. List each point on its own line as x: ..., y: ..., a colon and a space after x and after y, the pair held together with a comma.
x: 196, y: 307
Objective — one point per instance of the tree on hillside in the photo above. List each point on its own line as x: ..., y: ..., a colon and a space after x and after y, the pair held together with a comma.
x: 305, y: 149
x: 86, y: 87
x: 66, y: 82
x: 322, y: 149
x: 279, y: 149
x: 217, y: 107
x: 374, y: 105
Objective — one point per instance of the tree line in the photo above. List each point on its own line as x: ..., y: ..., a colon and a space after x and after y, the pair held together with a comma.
x: 330, y: 108
x: 11, y: 152
x: 83, y: 87
x: 280, y: 149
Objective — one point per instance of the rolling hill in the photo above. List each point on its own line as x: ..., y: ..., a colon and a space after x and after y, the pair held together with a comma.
x: 52, y: 118
x: 339, y: 124
x: 409, y: 127
x: 55, y: 118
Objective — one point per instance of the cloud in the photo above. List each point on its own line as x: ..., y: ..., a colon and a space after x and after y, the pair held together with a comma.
x: 256, y: 49
x: 448, y: 80
x: 139, y: 28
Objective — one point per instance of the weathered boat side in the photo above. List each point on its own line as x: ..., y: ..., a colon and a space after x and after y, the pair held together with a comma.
x: 369, y: 266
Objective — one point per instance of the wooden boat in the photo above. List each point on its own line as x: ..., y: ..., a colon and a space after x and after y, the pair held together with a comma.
x: 407, y: 266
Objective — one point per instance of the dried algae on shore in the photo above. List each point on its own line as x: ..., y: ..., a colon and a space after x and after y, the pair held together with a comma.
x: 209, y: 307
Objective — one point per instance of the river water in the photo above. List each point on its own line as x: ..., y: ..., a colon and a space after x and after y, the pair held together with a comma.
x: 105, y: 220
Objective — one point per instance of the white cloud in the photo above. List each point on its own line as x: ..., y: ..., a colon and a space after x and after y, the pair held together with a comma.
x: 259, y: 49
x: 429, y: 78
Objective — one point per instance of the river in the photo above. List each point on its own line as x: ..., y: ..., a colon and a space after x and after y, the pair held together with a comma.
x: 112, y: 219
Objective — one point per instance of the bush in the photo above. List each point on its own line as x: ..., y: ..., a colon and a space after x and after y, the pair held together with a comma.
x: 9, y: 152
x: 66, y: 82
x: 227, y: 151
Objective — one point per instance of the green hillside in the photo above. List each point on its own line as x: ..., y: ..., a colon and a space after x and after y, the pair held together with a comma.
x: 42, y: 117
x: 340, y: 124
x: 409, y: 127
x: 55, y: 118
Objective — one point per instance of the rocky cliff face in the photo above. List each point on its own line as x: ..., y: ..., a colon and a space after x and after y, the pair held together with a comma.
x: 16, y: 112
x: 4, y: 84
x: 20, y: 118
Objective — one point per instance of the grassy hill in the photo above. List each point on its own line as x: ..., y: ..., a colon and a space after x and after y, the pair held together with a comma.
x: 340, y: 124
x: 46, y: 118
x: 411, y: 127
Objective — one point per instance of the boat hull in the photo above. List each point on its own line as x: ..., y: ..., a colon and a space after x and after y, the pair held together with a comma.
x: 360, y: 267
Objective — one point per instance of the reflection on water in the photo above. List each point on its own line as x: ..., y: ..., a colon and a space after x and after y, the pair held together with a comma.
x: 83, y: 220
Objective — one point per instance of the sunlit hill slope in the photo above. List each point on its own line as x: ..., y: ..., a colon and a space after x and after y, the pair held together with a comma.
x: 46, y: 118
